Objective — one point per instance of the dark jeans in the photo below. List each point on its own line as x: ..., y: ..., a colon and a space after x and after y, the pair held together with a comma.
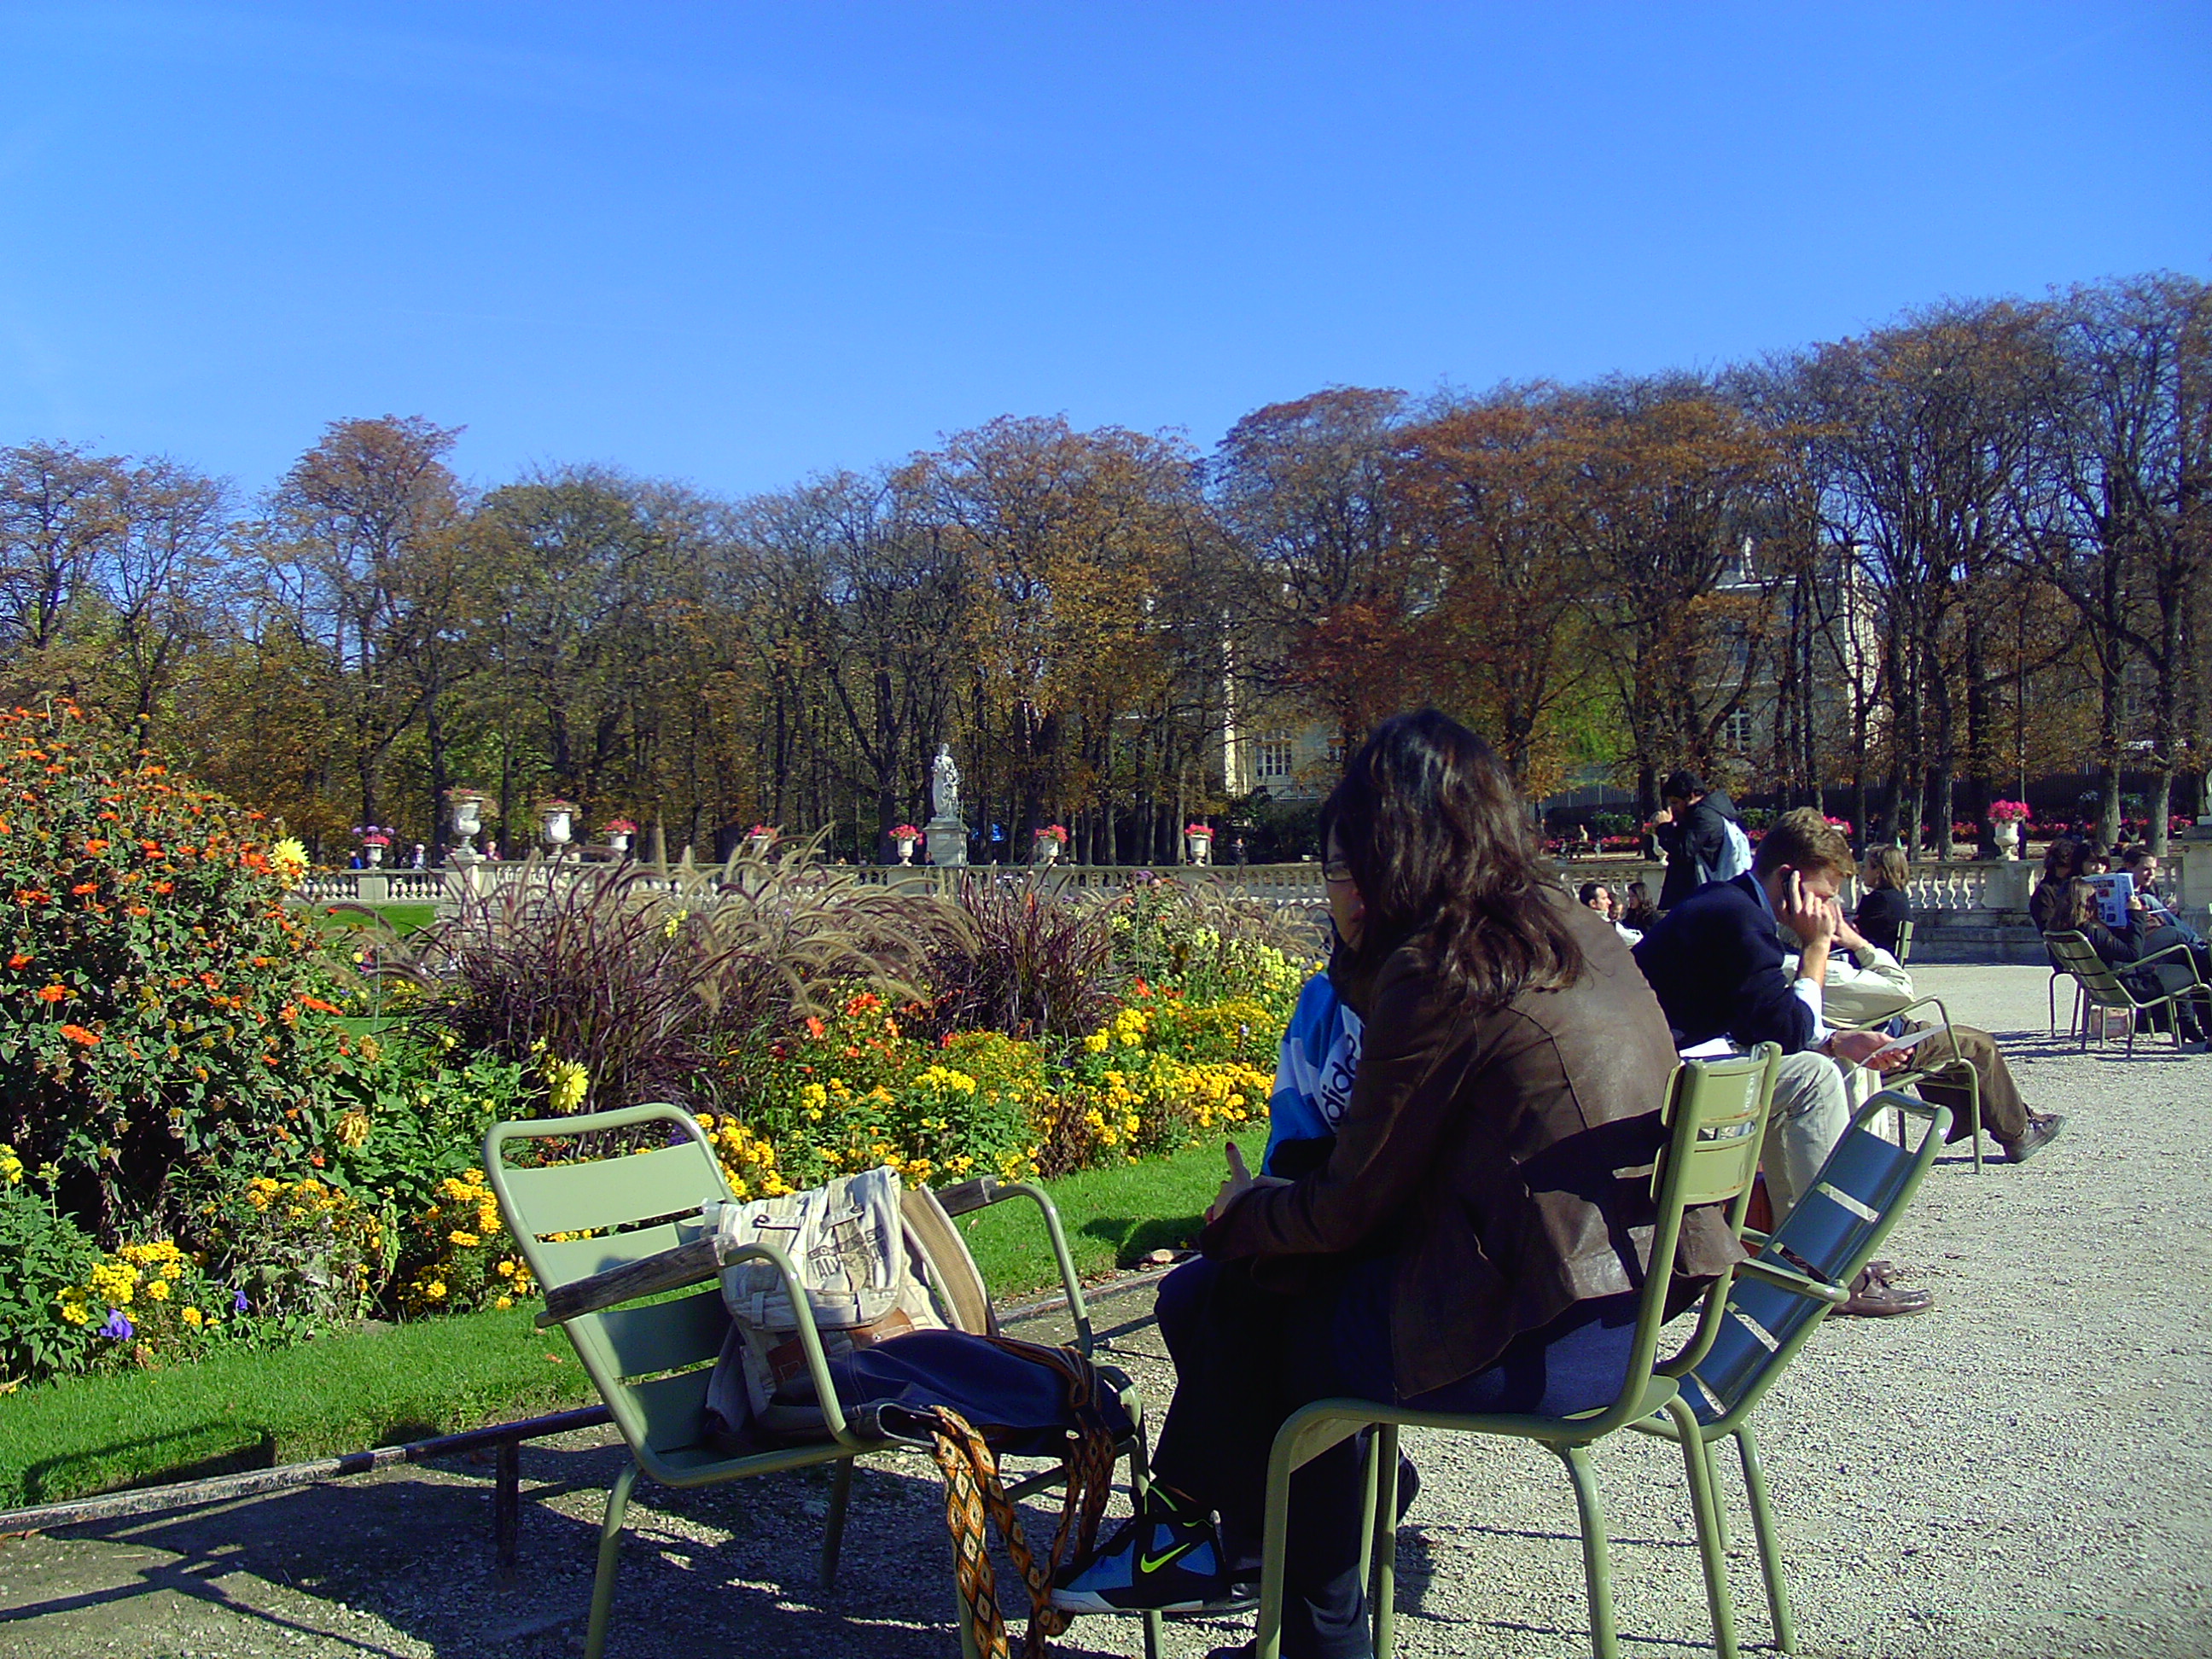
x: 1246, y: 1358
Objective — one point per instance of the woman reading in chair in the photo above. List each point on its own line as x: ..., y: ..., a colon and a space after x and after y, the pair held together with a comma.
x: 1473, y: 1240
x: 2122, y: 950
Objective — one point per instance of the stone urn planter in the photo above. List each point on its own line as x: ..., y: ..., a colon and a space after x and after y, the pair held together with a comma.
x: 1198, y: 838
x: 554, y: 821
x: 2005, y: 819
x: 372, y: 852
x: 465, y: 816
x: 904, y: 840
x: 618, y: 832
x: 1050, y: 842
x: 759, y: 839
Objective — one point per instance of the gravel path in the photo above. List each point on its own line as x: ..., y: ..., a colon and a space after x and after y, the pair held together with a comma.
x: 2024, y: 1472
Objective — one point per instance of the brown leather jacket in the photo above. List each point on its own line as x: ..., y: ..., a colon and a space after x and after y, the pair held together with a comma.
x: 1504, y: 1159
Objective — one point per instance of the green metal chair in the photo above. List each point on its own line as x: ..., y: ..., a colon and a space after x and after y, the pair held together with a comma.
x: 2097, y: 984
x: 1903, y: 951
x: 1955, y: 1073
x: 1862, y: 1190
x: 652, y: 1362
x: 1716, y: 1113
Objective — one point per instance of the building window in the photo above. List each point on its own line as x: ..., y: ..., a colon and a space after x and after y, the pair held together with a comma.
x: 1271, y: 758
x: 1739, y: 731
x: 1335, y: 755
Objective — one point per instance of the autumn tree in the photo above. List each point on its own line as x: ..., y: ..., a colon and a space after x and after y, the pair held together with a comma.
x: 1675, y: 602
x: 1488, y: 494
x: 360, y: 534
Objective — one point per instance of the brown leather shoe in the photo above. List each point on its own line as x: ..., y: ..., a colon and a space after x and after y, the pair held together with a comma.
x: 2043, y: 1128
x: 1872, y: 1296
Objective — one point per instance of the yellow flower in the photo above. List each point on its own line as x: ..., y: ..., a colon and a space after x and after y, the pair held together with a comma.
x: 353, y: 1129
x: 434, y: 1290
x: 193, y: 1318
x: 566, y: 1084
x: 159, y: 1290
x: 463, y: 1241
x: 504, y: 1303
x: 1096, y: 1042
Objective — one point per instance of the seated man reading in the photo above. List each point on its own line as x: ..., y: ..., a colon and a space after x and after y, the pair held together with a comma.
x: 1716, y: 962
x: 1866, y: 984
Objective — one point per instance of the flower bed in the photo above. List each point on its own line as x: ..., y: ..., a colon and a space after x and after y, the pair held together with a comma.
x: 226, y: 1126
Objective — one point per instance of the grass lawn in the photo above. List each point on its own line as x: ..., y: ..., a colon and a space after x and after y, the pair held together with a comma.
x: 392, y: 1384
x: 401, y: 918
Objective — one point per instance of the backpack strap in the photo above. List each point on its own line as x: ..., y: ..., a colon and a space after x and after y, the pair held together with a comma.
x: 951, y: 1270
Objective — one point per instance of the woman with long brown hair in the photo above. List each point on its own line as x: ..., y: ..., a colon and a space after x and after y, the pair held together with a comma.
x: 1470, y: 1242
x: 1885, y: 907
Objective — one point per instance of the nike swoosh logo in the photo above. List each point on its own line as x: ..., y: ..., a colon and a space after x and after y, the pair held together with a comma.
x: 1153, y: 1563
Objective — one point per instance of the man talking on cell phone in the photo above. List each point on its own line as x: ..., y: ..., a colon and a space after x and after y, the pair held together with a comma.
x: 1716, y: 962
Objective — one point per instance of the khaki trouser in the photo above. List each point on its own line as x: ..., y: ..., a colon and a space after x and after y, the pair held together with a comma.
x: 1811, y: 1112
x: 2004, y: 1115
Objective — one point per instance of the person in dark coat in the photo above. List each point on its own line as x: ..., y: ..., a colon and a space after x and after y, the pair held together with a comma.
x: 1884, y: 908
x: 1474, y: 1239
x: 1692, y: 830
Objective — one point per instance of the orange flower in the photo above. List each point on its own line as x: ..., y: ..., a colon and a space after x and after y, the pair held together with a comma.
x: 321, y: 1007
x: 814, y: 1027
x: 54, y: 994
x: 165, y: 887
x: 78, y: 1034
x: 137, y: 910
x: 94, y: 848
x: 31, y: 895
x: 84, y: 887
x: 20, y: 959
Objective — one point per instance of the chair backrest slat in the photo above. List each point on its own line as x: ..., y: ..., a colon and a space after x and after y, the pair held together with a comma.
x: 567, y: 1260
x: 574, y: 1198
x: 666, y: 1336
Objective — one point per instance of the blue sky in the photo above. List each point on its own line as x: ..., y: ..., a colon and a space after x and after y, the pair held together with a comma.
x: 739, y: 245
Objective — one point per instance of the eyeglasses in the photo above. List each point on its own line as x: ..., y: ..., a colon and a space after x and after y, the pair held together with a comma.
x: 1336, y: 870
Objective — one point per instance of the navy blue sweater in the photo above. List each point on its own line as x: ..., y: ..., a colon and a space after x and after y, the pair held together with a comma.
x: 1715, y: 961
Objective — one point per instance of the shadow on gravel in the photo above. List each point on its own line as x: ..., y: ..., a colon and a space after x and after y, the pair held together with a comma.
x: 733, y: 1569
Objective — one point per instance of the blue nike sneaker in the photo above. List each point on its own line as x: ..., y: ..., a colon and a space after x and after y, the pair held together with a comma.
x: 1166, y: 1559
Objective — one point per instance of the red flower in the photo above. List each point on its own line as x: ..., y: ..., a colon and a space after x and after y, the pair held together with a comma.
x: 78, y: 1034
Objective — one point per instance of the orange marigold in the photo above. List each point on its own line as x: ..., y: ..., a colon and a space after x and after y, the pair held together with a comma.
x: 78, y: 1034
x: 54, y: 994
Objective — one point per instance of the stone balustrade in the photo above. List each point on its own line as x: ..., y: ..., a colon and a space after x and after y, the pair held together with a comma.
x: 1965, y: 909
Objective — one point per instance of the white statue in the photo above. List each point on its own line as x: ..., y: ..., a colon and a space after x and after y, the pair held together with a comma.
x: 945, y: 785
